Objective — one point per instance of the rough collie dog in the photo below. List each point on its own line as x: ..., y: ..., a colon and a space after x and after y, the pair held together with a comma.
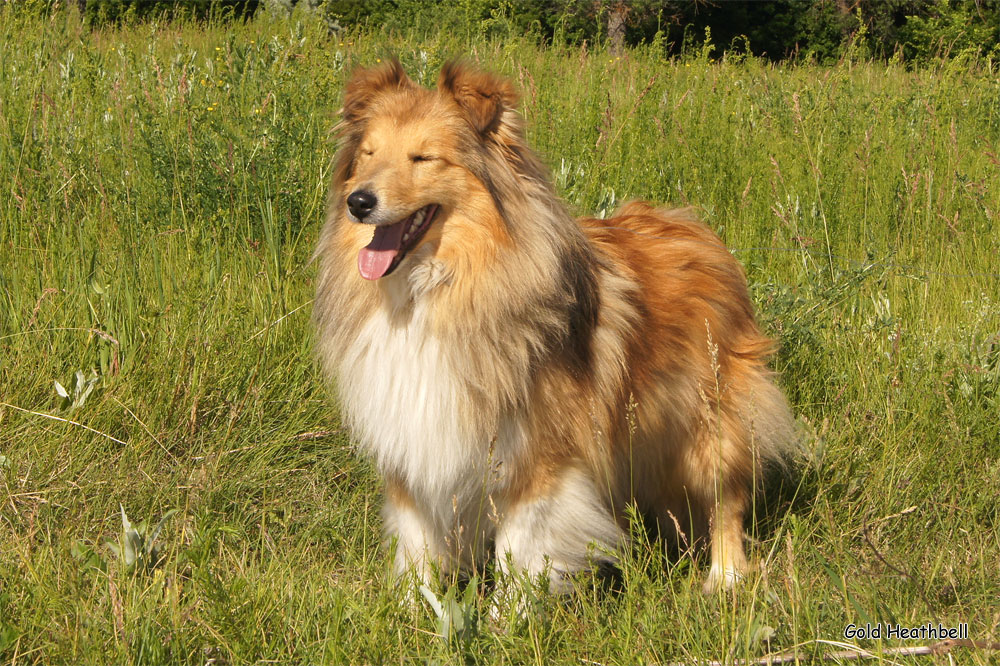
x: 518, y: 376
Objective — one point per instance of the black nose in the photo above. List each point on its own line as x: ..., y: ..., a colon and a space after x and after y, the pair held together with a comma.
x: 361, y: 203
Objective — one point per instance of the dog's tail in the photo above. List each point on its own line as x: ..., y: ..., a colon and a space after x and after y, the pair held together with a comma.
x: 771, y: 425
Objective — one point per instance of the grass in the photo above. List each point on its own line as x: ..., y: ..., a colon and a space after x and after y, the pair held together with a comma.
x: 162, y: 190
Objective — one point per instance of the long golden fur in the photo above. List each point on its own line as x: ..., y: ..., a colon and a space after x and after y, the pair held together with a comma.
x: 519, y: 376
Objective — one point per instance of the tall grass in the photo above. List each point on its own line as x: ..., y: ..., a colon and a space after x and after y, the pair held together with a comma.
x: 162, y: 190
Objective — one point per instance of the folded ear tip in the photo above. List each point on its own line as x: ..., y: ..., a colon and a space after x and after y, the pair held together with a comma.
x: 366, y: 82
x: 482, y: 95
x: 450, y: 72
x: 397, y: 67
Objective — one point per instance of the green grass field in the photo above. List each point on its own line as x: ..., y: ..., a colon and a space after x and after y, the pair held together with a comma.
x: 162, y: 192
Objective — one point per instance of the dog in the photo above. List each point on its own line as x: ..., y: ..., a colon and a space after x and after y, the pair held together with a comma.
x: 520, y: 377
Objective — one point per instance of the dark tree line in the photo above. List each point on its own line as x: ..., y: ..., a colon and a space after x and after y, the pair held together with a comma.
x: 915, y: 30
x: 101, y: 12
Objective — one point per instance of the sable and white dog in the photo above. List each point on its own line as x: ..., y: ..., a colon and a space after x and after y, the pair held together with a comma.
x: 520, y: 376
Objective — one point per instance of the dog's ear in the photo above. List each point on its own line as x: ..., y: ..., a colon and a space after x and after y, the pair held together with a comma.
x: 365, y: 84
x: 483, y: 97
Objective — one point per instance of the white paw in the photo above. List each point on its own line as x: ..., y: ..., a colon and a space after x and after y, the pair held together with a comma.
x: 721, y: 578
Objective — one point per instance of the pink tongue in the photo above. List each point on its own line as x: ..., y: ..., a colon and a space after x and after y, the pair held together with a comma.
x: 374, y: 259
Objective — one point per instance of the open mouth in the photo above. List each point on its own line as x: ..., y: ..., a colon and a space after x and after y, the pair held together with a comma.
x: 391, y: 242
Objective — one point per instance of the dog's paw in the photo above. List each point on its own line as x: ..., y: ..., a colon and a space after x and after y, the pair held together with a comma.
x: 722, y: 578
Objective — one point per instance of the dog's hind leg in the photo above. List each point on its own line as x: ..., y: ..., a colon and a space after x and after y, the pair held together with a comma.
x: 735, y: 453
x: 561, y: 529
x: 718, y: 475
x: 729, y: 563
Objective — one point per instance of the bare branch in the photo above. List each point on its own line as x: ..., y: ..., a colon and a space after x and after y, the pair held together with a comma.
x: 854, y: 653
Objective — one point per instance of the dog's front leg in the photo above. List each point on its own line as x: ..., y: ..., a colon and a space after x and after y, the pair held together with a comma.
x: 420, y: 548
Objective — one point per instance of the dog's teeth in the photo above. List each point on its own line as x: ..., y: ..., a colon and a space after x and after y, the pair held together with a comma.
x: 418, y: 218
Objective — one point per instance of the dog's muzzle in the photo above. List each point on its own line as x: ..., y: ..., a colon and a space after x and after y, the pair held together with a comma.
x: 361, y: 203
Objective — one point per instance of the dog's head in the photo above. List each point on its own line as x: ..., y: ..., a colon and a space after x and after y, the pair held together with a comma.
x: 411, y: 158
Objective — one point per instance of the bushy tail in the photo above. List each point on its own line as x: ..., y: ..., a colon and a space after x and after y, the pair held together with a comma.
x: 772, y: 427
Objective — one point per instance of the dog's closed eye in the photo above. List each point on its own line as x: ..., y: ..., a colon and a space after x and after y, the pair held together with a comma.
x: 421, y: 158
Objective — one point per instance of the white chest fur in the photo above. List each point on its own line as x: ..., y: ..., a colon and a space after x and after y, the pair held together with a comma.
x: 407, y: 403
